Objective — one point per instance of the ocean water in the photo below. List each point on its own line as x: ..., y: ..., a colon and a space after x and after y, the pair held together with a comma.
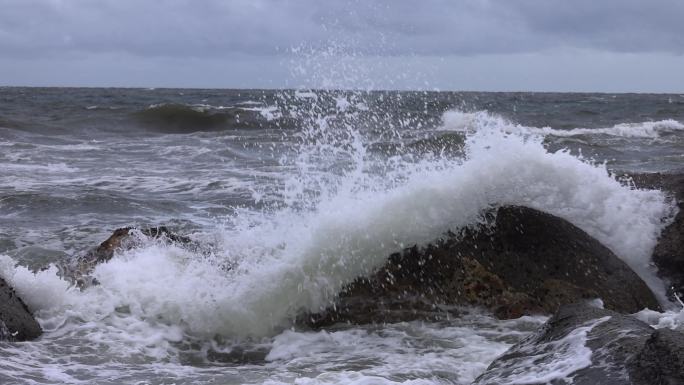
x: 292, y: 195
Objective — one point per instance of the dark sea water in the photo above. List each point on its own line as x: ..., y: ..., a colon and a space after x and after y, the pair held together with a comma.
x: 301, y: 191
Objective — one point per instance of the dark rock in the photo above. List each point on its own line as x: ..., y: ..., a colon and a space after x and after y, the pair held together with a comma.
x: 669, y: 252
x: 78, y: 270
x: 525, y: 262
x: 16, y: 321
x: 555, y: 262
x: 661, y: 361
x: 558, y: 351
x: 587, y: 346
x: 121, y: 239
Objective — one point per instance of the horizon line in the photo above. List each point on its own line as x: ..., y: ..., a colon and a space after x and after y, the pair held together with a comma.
x: 321, y: 89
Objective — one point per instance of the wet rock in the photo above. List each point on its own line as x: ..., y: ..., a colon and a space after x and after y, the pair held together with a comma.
x: 661, y: 360
x: 669, y: 252
x: 121, y: 239
x: 587, y: 346
x: 16, y: 322
x: 525, y: 262
x: 555, y: 262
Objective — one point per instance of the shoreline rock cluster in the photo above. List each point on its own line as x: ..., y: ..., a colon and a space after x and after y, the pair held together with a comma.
x: 522, y: 262
x: 623, y: 351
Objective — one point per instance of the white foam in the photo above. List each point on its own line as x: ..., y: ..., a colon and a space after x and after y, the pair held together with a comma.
x: 628, y: 130
x: 199, y: 107
x: 71, y: 147
x: 350, y: 378
x: 460, y: 121
x: 268, y: 112
x: 132, y: 320
x: 249, y: 103
x: 306, y: 95
x: 671, y: 319
x: 342, y: 103
x: 455, y: 120
x: 457, y: 352
x: 43, y: 290
x: 540, y: 362
x: 43, y: 168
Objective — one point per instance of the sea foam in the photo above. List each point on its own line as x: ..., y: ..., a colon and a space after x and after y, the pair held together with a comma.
x: 460, y: 121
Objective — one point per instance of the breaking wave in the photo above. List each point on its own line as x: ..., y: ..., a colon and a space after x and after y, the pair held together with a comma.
x: 459, y: 121
x: 298, y: 256
x: 178, y: 118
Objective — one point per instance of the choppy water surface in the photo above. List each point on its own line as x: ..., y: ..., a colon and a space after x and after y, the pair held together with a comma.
x: 301, y: 192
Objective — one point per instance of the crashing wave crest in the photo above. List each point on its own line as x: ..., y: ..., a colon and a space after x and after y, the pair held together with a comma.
x: 295, y: 260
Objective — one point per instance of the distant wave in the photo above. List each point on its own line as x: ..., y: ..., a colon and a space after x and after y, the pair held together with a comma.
x: 7, y: 123
x: 98, y: 108
x: 203, y: 117
x: 454, y: 120
x: 626, y: 130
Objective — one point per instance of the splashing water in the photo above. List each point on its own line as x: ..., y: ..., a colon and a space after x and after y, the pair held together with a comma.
x: 342, y: 210
x: 336, y: 227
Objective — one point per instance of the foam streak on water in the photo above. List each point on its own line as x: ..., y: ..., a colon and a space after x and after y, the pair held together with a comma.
x: 561, y: 358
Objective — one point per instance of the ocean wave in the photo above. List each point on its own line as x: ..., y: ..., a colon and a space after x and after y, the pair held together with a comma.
x: 651, y: 130
x: 49, y: 168
x: 292, y: 261
x: 248, y: 103
x: 269, y: 113
x: 459, y: 121
x: 8, y: 123
x: 103, y: 108
x: 198, y: 117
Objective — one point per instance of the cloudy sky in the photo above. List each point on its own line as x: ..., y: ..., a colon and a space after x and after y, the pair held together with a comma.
x: 539, y: 45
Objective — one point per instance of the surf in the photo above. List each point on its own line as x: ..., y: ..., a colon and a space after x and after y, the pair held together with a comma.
x: 296, y: 259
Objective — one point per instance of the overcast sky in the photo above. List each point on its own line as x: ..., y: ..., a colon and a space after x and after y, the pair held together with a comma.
x: 495, y: 45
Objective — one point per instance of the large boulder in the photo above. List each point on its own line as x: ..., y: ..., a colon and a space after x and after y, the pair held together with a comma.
x: 584, y: 345
x: 525, y: 261
x: 16, y: 322
x: 669, y: 252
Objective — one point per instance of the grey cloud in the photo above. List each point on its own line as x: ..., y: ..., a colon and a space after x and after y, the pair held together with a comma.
x: 624, y: 26
x: 167, y: 28
x: 214, y: 28
x: 442, y: 27
x: 453, y: 44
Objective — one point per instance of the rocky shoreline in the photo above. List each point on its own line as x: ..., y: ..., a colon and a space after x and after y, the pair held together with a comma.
x: 618, y: 350
x: 522, y: 261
